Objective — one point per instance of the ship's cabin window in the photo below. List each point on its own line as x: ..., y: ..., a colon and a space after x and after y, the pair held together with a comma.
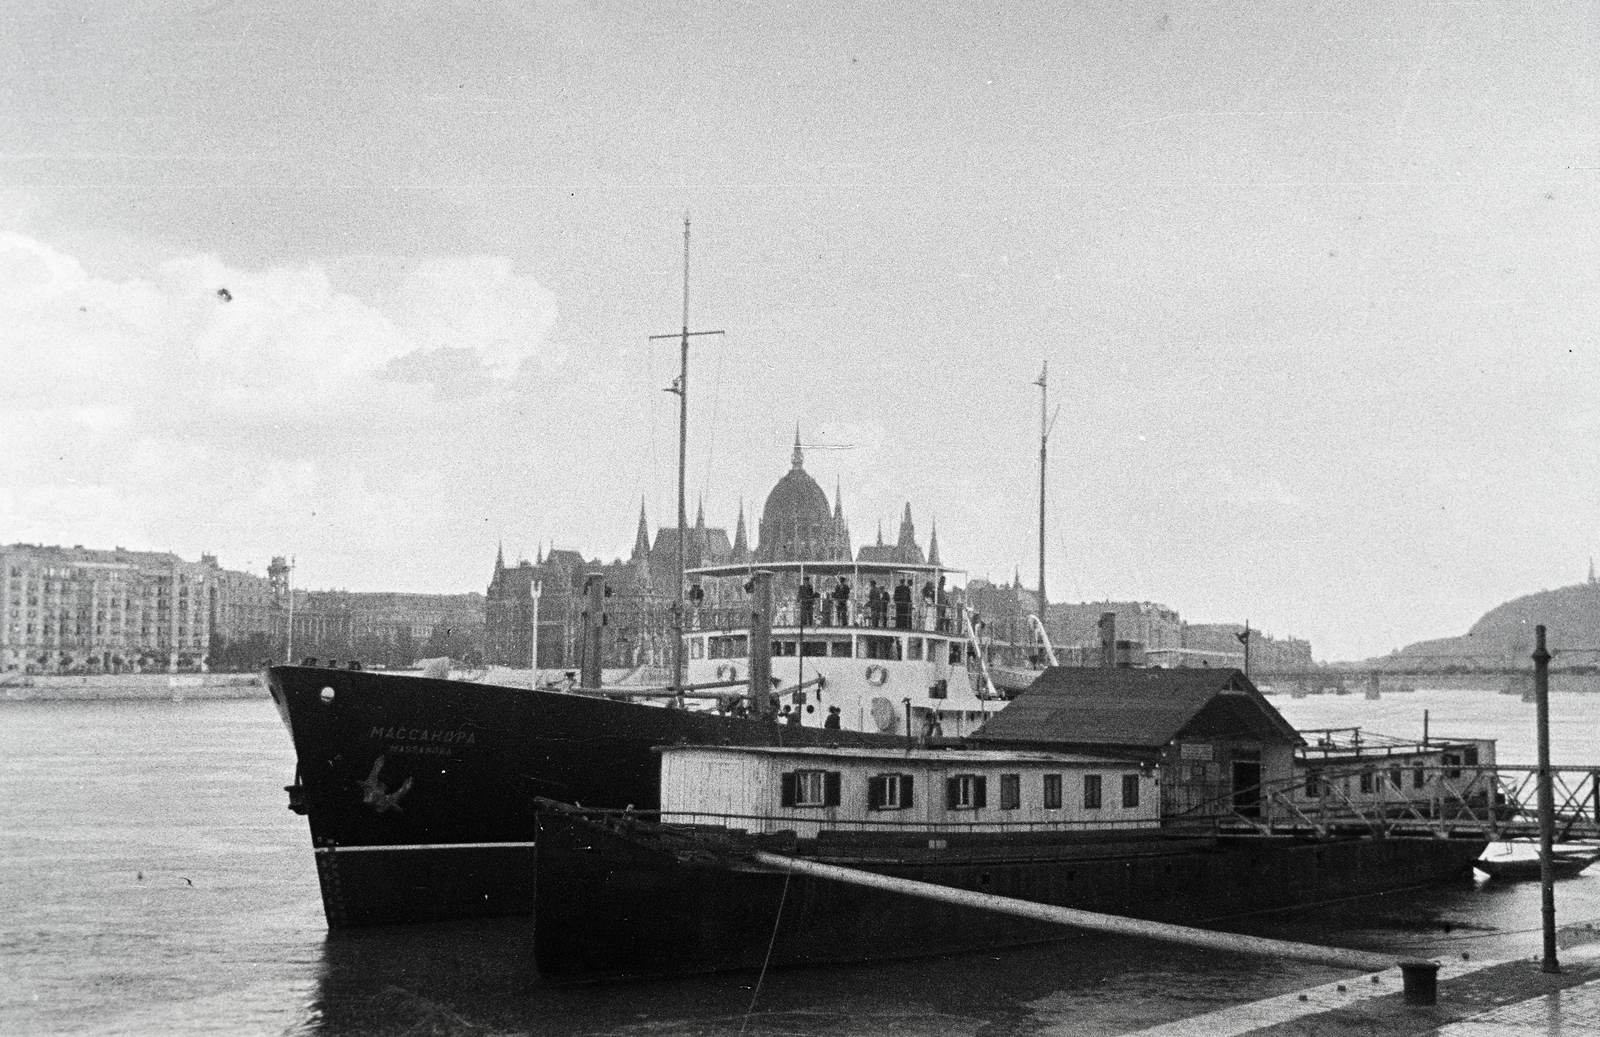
x: 1452, y: 764
x: 1366, y: 781
x: 875, y: 646
x: 955, y: 653
x: 1313, y: 783
x: 1052, y: 792
x: 889, y: 792
x: 839, y: 649
x: 1419, y: 777
x: 1130, y: 791
x: 1469, y: 756
x: 965, y: 792
x: 1010, y: 792
x: 733, y: 646
x: 914, y: 649
x: 810, y: 788
x: 814, y: 648
x: 939, y: 689
x: 782, y: 648
x: 1091, y: 792
x: 1396, y: 777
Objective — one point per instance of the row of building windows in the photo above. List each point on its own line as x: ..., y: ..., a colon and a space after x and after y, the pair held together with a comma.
x: 820, y: 788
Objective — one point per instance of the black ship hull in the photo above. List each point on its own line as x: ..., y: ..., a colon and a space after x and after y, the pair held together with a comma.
x: 420, y: 793
x: 615, y: 902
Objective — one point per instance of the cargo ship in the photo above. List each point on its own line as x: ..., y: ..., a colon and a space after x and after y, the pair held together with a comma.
x: 420, y: 793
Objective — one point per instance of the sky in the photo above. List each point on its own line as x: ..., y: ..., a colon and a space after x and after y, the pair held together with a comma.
x: 372, y: 286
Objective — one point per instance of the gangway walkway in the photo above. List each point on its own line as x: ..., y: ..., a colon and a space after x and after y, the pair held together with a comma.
x: 1494, y: 801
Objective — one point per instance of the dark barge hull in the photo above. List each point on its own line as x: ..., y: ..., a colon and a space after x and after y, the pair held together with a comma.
x: 613, y: 904
x: 420, y: 792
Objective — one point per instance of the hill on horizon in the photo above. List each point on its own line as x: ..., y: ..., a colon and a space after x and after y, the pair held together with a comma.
x: 1504, y: 634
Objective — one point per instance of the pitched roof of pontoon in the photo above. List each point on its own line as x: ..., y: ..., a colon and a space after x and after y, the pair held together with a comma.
x: 1135, y: 708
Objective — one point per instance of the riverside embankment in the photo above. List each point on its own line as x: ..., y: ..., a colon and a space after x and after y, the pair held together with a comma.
x: 130, y: 686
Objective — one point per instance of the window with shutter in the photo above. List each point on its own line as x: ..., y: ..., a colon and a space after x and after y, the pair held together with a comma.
x: 810, y: 788
x: 1052, y: 792
x: 1010, y: 791
x: 889, y: 792
x: 1091, y: 792
x: 964, y: 792
x: 1130, y: 791
x: 980, y: 791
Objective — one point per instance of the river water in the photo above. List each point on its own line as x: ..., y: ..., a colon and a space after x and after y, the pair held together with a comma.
x: 152, y: 882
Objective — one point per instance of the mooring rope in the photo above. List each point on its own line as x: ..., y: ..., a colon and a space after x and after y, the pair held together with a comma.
x: 756, y: 993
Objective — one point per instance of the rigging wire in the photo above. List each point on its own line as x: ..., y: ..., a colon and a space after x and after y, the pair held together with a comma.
x: 716, y: 399
x: 756, y: 993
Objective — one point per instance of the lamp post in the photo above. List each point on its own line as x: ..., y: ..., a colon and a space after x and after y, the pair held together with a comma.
x: 534, y: 590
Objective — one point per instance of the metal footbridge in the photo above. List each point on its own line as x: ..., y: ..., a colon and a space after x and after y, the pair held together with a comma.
x: 1498, y: 802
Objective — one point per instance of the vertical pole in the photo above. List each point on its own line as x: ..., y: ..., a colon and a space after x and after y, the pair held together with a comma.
x: 1547, y: 804
x: 288, y: 652
x: 1044, y: 439
x: 761, y: 703
x: 683, y: 460
x: 534, y: 590
x: 1424, y: 729
x: 594, y: 618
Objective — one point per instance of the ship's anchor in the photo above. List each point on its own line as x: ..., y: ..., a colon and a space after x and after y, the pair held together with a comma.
x: 376, y: 794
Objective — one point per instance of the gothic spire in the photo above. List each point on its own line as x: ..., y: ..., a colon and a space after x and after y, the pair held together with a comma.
x: 908, y: 532
x: 641, y: 539
x: 700, y: 516
x: 500, y: 558
x: 933, y: 545
x: 741, y: 542
x: 799, y: 460
x: 880, y: 532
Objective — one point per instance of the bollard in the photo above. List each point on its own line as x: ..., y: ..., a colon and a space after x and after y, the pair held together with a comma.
x: 1421, y: 981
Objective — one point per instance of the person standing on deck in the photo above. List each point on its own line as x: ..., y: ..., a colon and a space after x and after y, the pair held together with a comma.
x: 808, y: 602
x: 841, y: 602
x: 902, y: 605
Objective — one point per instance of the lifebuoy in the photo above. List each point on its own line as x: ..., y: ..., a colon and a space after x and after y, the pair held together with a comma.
x: 727, y: 672
x: 877, y: 675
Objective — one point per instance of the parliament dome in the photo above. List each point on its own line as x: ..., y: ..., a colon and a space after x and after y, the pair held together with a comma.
x: 796, y: 522
x: 797, y: 496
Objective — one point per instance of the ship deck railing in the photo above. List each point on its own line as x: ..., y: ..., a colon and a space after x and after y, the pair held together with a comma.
x: 858, y: 617
x: 1493, y: 801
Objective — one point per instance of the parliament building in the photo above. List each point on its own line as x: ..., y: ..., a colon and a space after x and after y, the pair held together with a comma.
x: 796, y: 523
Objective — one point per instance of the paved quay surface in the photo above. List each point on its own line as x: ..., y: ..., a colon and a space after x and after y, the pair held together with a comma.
x: 1487, y: 998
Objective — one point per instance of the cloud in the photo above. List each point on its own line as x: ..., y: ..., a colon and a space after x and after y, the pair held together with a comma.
x: 205, y: 400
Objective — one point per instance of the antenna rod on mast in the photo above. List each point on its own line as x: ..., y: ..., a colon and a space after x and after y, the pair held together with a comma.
x: 682, y: 389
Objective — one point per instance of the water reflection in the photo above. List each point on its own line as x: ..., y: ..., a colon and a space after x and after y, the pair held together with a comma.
x: 478, y: 977
x: 471, y: 978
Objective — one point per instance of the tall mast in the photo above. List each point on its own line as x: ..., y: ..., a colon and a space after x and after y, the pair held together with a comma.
x: 681, y: 387
x: 1046, y: 422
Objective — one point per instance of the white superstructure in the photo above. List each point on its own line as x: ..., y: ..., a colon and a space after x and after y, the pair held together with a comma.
x: 880, y: 642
